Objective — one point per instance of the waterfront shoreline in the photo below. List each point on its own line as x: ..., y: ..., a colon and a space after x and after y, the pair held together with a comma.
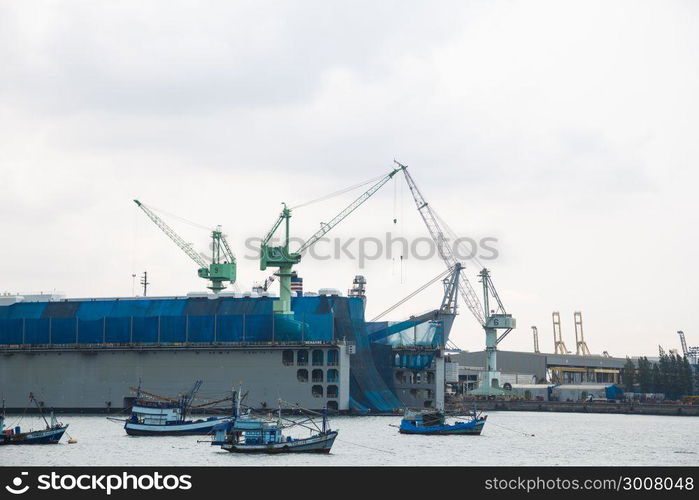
x: 581, y: 407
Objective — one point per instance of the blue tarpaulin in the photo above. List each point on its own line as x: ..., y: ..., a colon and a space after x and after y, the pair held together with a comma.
x: 206, y: 320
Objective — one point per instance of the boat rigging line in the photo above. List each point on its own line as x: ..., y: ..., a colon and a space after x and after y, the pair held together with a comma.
x: 365, y: 446
x: 526, y: 434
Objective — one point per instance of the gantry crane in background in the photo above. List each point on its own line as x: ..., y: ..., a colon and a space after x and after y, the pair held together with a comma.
x: 283, y: 259
x: 490, y: 321
x: 581, y: 348
x: 559, y: 346
x: 535, y: 334
x: 222, y: 267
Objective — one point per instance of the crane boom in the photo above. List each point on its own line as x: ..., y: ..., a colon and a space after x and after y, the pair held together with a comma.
x: 222, y: 267
x: 683, y: 342
x: 348, y: 210
x: 186, y: 247
x: 490, y: 320
x: 281, y: 257
x: 228, y: 253
x: 443, y: 247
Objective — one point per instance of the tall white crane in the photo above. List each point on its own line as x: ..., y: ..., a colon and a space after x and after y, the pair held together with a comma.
x: 444, y: 247
x: 490, y: 320
x: 691, y: 353
x: 683, y: 342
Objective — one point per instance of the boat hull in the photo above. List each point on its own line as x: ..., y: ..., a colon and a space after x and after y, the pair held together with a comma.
x: 48, y: 436
x: 472, y: 428
x: 321, y: 443
x: 197, y: 428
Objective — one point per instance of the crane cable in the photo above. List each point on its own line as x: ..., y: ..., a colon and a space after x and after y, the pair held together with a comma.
x: 338, y: 193
x: 412, y: 294
x: 452, y: 236
x: 181, y: 219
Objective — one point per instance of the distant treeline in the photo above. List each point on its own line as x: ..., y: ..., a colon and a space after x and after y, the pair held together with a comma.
x: 672, y: 376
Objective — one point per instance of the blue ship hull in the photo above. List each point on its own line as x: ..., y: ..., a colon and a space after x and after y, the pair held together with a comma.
x: 47, y: 436
x: 473, y: 427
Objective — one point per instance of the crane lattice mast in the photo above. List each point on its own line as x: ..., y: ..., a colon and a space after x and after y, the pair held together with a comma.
x: 223, y: 265
x: 559, y: 346
x: 683, y: 343
x: 491, y: 321
x: 581, y: 348
x: 535, y: 334
x: 444, y: 248
x: 283, y: 259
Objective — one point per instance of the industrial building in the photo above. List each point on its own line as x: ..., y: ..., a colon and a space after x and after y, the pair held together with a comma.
x: 543, y: 367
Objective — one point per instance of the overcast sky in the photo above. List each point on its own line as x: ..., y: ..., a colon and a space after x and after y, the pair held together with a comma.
x: 567, y: 130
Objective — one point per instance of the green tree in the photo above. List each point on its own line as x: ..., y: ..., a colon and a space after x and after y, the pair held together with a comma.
x: 674, y: 382
x: 664, y: 378
x: 687, y: 376
x: 655, y: 376
x: 628, y: 375
x: 645, y: 380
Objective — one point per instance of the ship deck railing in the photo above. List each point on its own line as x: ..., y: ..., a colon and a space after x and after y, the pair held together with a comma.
x: 87, y: 347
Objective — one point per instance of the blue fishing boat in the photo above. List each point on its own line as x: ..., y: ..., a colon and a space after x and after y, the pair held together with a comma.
x: 433, y: 422
x: 256, y: 434
x: 153, y: 415
x: 52, y: 434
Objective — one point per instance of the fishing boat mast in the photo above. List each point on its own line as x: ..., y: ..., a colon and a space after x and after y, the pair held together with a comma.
x: 186, y: 400
x: 238, y: 400
x: 41, y: 412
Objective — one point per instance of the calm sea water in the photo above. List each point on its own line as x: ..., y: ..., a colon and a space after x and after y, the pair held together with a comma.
x: 558, y: 439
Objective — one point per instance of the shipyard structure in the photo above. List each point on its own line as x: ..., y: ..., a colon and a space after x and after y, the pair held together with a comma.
x: 84, y: 354
x: 313, y: 349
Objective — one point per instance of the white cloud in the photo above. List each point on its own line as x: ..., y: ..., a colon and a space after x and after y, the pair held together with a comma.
x: 566, y: 129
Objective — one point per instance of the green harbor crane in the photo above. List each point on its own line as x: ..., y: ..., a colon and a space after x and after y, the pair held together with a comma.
x: 283, y: 259
x: 222, y: 267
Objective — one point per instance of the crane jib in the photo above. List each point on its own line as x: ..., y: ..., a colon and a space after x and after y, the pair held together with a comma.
x: 436, y: 232
x: 348, y: 210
